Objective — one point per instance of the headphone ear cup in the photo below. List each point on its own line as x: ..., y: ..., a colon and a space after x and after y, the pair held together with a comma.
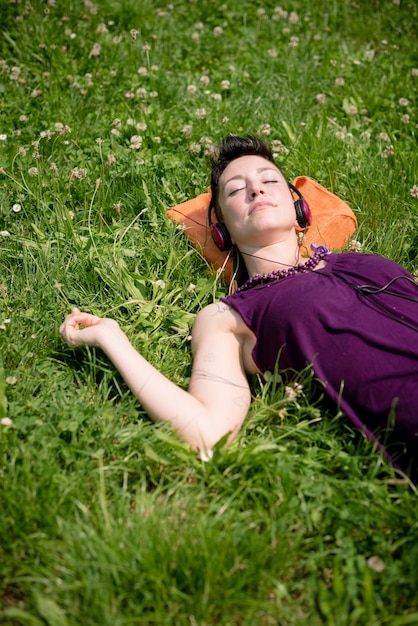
x: 221, y: 236
x: 303, y: 213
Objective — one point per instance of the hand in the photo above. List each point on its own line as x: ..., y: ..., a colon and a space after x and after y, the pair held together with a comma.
x: 91, y: 331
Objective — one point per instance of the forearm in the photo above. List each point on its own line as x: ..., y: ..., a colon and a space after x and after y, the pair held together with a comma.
x: 218, y: 397
x: 162, y: 399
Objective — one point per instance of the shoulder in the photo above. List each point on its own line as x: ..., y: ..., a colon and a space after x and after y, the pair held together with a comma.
x: 218, y: 320
x: 371, y: 262
x: 217, y: 315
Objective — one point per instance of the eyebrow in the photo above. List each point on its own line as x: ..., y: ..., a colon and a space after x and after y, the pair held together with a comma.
x: 259, y: 170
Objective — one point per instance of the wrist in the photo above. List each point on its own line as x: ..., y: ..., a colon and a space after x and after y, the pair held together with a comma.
x: 109, y: 335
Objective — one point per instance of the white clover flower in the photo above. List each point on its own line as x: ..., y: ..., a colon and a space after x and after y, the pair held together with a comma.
x: 205, y: 455
x: 160, y: 283
x: 111, y: 159
x: 187, y: 130
x: 272, y: 52
x: 403, y: 102
x: 136, y: 142
x: 293, y: 391
x: 191, y: 88
x: 414, y: 191
x: 388, y: 152
x: 352, y: 109
x: 320, y: 98
x: 195, y: 148
x: 6, y: 421
x: 375, y: 563
x: 33, y: 171
x: 281, y: 12
x: 225, y: 84
x: 191, y: 287
x: 14, y: 73
x: 340, y: 81
x: 414, y: 71
x: 218, y: 31
x: 201, y: 114
x: 355, y: 246
x: 11, y: 380
x: 101, y: 29
x: 95, y: 51
x: 3, y: 137
x: 78, y: 173
x: 142, y: 71
x: 141, y: 92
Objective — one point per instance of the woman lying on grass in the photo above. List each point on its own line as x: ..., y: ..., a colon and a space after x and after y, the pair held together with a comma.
x: 353, y: 317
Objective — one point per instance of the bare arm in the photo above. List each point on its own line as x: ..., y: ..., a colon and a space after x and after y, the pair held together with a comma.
x: 218, y: 397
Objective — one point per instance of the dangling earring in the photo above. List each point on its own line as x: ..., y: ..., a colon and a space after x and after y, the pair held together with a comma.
x: 301, y: 238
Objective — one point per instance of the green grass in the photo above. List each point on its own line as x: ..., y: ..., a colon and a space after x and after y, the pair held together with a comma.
x: 106, y: 519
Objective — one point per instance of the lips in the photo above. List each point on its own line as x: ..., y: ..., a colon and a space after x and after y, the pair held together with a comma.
x: 260, y: 205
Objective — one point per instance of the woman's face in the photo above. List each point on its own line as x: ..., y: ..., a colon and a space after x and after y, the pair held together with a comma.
x: 255, y: 200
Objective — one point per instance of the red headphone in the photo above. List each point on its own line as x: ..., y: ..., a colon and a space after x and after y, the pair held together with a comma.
x: 220, y: 233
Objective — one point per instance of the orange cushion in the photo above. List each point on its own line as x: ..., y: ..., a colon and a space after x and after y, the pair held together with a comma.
x: 333, y: 222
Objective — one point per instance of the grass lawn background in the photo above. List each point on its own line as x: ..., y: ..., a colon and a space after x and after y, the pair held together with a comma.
x: 108, y: 110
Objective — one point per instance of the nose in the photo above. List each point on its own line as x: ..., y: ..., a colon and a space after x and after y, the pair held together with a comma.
x: 256, y: 189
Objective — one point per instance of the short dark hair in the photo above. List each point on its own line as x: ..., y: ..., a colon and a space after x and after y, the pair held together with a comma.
x: 231, y: 148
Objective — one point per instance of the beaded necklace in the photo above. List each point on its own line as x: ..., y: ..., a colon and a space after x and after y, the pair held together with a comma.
x: 262, y: 279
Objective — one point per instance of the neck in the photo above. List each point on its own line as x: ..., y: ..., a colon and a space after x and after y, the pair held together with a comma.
x: 276, y: 256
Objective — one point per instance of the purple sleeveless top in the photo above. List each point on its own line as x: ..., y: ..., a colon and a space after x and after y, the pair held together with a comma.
x: 363, y: 347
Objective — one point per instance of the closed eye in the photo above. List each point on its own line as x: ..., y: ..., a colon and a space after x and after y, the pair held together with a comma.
x: 235, y: 191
